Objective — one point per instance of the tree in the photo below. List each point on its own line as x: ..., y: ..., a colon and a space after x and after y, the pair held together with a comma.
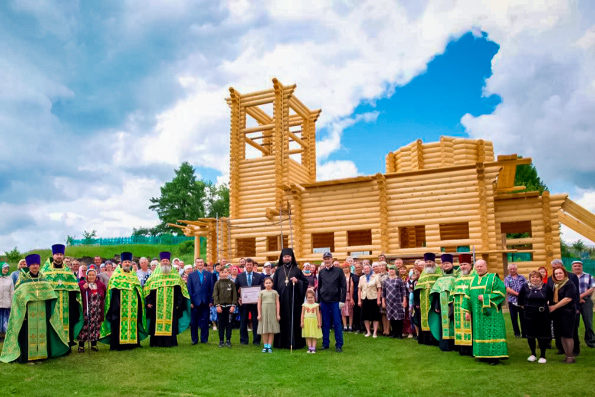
x: 88, y: 237
x: 218, y: 201
x: 69, y: 239
x: 526, y: 175
x: 578, y: 247
x: 182, y: 198
x: 13, y: 255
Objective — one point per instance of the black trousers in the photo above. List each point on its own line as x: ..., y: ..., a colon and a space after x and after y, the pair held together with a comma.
x: 357, y: 315
x: 517, y: 314
x: 224, y: 323
x: 251, y: 308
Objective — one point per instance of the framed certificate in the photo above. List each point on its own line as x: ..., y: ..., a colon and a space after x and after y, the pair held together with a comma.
x: 249, y: 295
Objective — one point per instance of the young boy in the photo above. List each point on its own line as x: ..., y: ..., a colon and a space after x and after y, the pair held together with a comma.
x: 225, y: 298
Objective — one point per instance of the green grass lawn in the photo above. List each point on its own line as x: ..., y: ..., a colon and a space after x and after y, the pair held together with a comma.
x: 366, y: 367
x: 108, y: 251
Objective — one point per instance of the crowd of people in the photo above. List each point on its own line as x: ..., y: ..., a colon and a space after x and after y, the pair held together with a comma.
x: 45, y: 310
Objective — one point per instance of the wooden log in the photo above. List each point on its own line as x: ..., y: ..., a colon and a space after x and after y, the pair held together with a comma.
x: 256, y: 145
x: 259, y: 128
x: 258, y: 102
x: 576, y: 225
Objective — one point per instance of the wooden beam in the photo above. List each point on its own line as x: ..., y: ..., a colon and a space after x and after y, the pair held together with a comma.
x: 579, y: 213
x: 256, y: 145
x: 296, y: 139
x: 576, y: 225
x: 296, y: 151
x: 259, y: 128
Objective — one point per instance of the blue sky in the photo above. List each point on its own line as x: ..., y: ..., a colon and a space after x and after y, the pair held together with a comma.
x: 101, y: 101
x: 431, y: 105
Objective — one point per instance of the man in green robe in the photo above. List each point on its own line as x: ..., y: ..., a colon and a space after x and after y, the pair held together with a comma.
x: 483, y: 305
x: 125, y: 322
x: 462, y: 326
x: 35, y: 331
x: 69, y: 305
x: 421, y: 299
x: 440, y: 317
x: 168, y: 304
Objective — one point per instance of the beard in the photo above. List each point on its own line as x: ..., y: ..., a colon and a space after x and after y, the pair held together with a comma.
x: 430, y: 269
x: 165, y: 269
x: 464, y: 272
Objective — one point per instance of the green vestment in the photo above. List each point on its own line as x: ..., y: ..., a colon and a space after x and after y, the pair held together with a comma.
x: 462, y: 327
x: 33, y: 306
x: 489, y: 330
x: 132, y: 329
x: 425, y: 283
x: 64, y: 284
x: 441, y: 290
x: 164, y: 285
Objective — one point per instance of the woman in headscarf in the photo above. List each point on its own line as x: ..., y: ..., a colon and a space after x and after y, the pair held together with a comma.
x: 534, y: 297
x: 543, y: 271
x: 82, y: 272
x: 93, y: 295
x: 6, y: 292
x: 563, y: 310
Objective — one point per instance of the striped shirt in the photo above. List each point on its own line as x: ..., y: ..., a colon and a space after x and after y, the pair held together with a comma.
x: 585, y: 282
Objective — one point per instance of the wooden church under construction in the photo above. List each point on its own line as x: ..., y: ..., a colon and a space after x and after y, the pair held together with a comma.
x: 443, y: 196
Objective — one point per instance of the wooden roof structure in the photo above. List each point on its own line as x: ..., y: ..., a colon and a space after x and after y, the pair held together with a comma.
x: 436, y: 197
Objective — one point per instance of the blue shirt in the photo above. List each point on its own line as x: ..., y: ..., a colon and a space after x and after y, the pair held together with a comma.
x: 515, y: 284
x: 201, y: 276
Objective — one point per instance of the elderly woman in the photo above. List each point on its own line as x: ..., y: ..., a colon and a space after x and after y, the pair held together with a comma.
x: 347, y: 310
x: 15, y: 275
x: 382, y: 271
x: 93, y: 296
x: 6, y: 292
x: 563, y: 310
x: 414, y: 316
x: 533, y: 298
x: 369, y: 296
x: 82, y: 271
x: 187, y: 271
x: 394, y: 300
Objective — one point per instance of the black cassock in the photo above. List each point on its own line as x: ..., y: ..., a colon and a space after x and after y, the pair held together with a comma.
x: 164, y: 341
x: 283, y: 339
x: 113, y: 316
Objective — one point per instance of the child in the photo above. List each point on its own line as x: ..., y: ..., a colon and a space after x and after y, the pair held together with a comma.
x: 225, y: 298
x: 268, y: 315
x: 311, y: 321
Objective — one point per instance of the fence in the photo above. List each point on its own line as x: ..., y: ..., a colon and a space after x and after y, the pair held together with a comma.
x: 165, y: 239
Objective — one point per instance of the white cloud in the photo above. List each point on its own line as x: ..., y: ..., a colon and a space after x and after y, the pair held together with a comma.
x: 336, y: 169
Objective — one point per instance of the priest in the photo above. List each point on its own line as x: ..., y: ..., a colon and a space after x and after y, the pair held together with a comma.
x: 442, y: 307
x: 69, y: 305
x: 421, y: 298
x: 124, y: 326
x: 290, y: 283
x: 483, y: 306
x: 168, y: 304
x: 35, y: 331
x: 462, y: 326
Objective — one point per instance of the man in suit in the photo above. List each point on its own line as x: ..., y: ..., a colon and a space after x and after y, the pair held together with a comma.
x: 249, y: 278
x: 200, y: 288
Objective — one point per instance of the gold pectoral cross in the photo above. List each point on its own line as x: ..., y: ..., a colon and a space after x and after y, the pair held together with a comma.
x: 286, y: 281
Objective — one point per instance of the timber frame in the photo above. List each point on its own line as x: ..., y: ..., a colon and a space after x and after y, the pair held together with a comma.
x: 434, y: 197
